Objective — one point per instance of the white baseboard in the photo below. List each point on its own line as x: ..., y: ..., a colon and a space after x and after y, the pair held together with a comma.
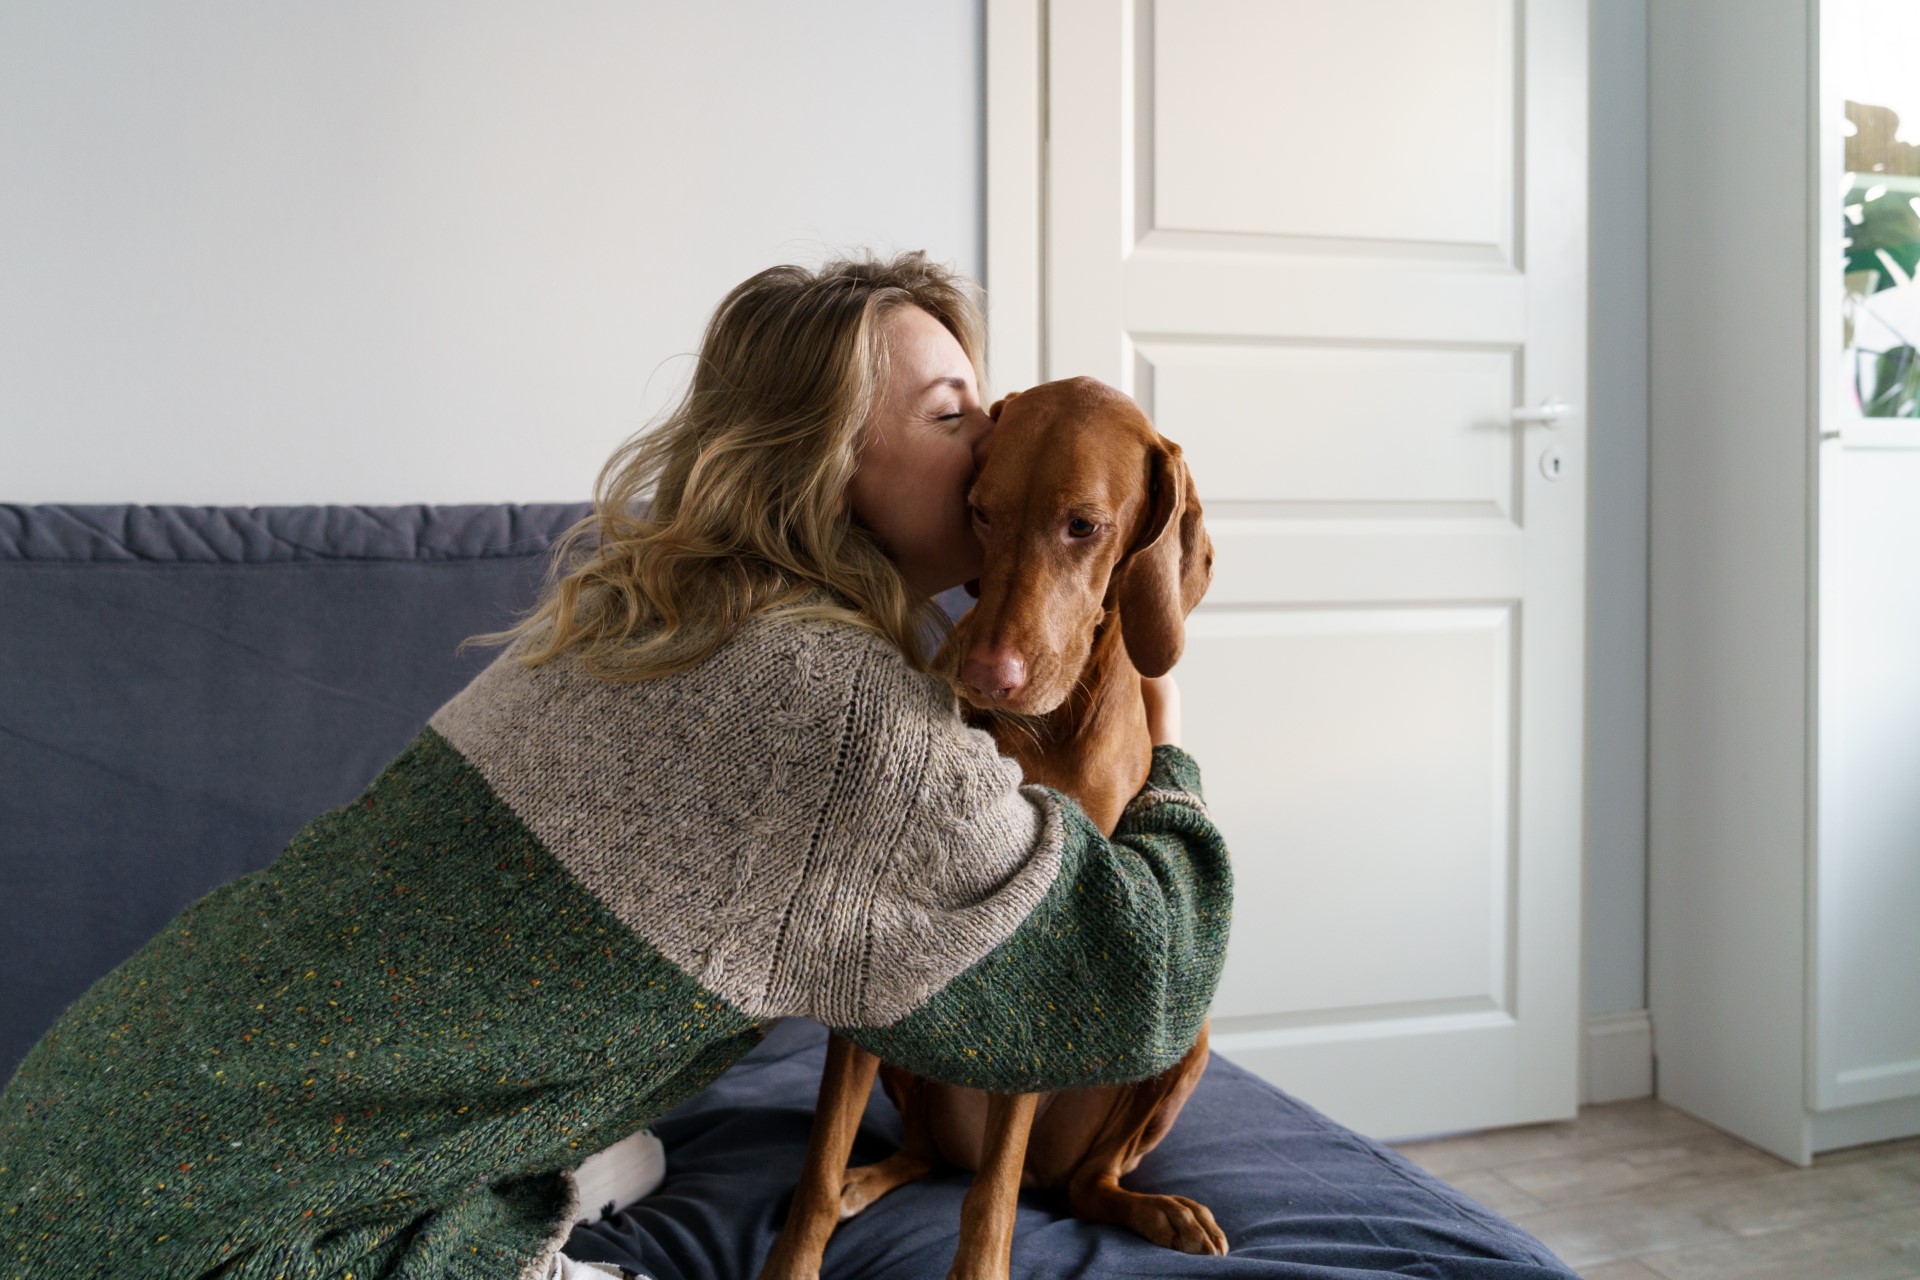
x: 1874, y: 1122
x: 1619, y: 1057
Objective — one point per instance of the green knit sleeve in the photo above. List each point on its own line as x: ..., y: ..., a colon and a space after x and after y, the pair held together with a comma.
x: 1173, y: 779
x: 1109, y: 975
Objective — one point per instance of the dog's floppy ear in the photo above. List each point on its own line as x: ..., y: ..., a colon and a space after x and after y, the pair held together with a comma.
x: 1000, y: 404
x: 1169, y: 568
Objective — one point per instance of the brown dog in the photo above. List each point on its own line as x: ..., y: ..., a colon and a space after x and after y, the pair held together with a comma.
x: 1095, y: 554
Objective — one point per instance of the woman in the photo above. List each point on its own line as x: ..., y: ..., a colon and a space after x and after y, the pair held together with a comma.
x: 709, y: 783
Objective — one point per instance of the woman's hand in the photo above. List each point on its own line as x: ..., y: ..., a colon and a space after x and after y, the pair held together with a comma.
x: 1163, y: 709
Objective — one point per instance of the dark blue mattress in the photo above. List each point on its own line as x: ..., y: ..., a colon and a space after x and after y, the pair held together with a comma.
x: 1300, y: 1197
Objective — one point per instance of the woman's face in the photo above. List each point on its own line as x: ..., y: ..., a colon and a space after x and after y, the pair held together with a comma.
x: 922, y: 448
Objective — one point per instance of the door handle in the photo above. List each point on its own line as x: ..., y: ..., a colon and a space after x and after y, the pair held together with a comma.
x: 1549, y: 413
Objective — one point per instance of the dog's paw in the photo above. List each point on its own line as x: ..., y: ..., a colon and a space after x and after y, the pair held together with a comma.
x: 976, y: 1270
x: 1175, y: 1222
x: 779, y: 1268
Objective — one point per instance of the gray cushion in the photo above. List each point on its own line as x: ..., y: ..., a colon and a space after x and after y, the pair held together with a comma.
x: 183, y: 688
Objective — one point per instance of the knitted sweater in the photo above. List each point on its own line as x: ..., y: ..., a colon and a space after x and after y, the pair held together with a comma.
x: 564, y: 908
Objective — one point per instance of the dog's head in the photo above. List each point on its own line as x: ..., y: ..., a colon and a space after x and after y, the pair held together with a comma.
x: 1082, y: 507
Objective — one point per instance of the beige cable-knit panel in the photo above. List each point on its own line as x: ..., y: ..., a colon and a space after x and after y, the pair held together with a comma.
x: 802, y: 823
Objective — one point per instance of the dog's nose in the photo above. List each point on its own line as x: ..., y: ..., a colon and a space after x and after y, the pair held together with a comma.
x: 994, y: 673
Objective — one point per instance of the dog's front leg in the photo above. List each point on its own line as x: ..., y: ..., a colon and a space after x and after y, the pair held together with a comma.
x: 844, y: 1086
x: 986, y: 1216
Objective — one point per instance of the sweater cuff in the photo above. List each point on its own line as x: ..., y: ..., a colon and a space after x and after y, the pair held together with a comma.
x: 1174, y: 770
x: 1173, y: 779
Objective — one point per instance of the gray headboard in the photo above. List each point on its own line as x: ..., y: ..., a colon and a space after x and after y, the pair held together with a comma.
x: 182, y: 688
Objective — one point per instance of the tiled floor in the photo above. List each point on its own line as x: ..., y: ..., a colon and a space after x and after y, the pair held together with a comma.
x: 1640, y: 1191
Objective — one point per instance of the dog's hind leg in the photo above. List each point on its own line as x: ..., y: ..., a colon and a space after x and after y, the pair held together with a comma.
x: 871, y: 1181
x: 916, y: 1157
x: 1135, y: 1128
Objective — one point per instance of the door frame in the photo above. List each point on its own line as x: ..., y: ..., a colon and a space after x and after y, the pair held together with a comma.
x: 1016, y: 158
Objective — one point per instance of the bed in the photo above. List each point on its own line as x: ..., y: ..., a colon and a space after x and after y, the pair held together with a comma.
x: 184, y: 687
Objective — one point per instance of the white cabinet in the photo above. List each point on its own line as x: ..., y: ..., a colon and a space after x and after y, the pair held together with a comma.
x: 1866, y: 921
x: 1784, y: 753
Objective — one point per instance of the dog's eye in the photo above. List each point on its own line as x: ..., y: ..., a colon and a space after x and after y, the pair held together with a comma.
x: 1080, y: 527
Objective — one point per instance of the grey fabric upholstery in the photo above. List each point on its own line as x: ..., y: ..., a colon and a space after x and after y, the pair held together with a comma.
x: 182, y: 688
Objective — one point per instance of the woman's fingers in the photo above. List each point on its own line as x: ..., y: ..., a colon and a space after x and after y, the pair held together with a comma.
x: 1163, y: 709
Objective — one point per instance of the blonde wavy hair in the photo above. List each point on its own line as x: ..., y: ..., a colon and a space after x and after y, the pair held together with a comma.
x: 747, y: 477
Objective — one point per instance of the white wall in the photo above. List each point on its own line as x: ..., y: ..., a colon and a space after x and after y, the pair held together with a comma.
x: 1616, y: 978
x: 438, y: 251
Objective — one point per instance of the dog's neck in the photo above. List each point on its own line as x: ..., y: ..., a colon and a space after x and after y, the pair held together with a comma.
x: 1095, y: 745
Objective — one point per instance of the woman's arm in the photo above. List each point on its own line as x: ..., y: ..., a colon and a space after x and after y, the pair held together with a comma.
x: 1109, y: 976
x: 1162, y: 697
x: 1005, y: 943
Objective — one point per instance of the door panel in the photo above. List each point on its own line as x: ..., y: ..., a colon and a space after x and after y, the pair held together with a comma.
x: 1407, y: 702
x: 1387, y: 119
x: 1331, y: 248
x: 1314, y: 423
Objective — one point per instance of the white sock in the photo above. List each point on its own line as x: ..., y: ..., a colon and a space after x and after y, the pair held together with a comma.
x: 611, y: 1180
x: 565, y: 1268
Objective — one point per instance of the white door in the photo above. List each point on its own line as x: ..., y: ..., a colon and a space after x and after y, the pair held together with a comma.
x: 1332, y: 246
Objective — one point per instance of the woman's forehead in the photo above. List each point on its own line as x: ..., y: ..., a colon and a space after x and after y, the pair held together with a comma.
x: 924, y: 350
